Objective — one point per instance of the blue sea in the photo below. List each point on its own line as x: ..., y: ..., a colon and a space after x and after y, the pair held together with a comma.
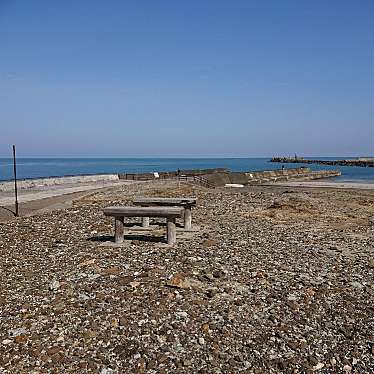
x: 28, y: 168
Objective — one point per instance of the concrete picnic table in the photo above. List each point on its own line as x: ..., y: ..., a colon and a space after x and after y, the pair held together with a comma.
x: 186, y: 202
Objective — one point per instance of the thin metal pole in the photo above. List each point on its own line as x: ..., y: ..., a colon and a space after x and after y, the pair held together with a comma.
x: 15, y: 178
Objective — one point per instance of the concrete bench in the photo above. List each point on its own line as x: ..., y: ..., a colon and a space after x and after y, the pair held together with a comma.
x: 120, y: 212
x: 186, y: 202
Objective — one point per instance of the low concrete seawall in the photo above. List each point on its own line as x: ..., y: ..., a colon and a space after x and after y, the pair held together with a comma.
x: 269, y: 176
x: 45, y: 182
x: 208, y: 177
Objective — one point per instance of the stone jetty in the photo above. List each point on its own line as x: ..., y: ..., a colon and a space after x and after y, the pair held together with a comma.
x: 362, y: 162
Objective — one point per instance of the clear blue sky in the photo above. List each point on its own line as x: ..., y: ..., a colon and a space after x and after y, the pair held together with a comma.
x: 187, y: 78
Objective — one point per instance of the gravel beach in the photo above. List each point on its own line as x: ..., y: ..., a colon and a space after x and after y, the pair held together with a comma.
x: 275, y: 280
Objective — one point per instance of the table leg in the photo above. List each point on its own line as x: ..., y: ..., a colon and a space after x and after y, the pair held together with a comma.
x: 145, y: 222
x: 119, y: 229
x: 187, y: 218
x: 171, y: 232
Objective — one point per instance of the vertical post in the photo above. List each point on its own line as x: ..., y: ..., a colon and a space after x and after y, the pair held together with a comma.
x: 15, y: 179
x: 171, y: 231
x: 187, y: 217
x: 119, y: 229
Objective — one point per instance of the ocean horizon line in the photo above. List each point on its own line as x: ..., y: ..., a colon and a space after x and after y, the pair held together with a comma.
x: 173, y: 157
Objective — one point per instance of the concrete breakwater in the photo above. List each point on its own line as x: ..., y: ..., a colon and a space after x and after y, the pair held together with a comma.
x: 171, y: 174
x: 42, y: 183
x: 269, y: 176
x: 362, y: 162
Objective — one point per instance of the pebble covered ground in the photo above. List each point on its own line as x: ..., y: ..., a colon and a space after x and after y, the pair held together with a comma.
x: 276, y: 280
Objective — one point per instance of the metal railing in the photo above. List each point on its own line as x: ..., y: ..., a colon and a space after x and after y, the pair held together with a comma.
x: 196, y: 179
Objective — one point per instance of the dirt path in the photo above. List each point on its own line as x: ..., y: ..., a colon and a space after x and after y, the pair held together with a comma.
x: 48, y: 199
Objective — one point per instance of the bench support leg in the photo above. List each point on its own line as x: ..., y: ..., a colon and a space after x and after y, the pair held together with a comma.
x: 119, y: 229
x: 171, y: 231
x: 145, y: 222
x: 187, y: 218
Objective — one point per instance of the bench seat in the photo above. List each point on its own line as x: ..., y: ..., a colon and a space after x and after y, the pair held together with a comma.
x: 134, y: 211
x: 119, y: 212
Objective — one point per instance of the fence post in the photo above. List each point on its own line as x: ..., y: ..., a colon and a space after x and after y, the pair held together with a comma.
x: 15, y: 179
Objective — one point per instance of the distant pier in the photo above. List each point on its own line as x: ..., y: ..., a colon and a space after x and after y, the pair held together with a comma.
x: 361, y: 162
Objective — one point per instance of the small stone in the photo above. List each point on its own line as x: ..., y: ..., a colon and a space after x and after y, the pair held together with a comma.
x: 209, y: 276
x: 84, y: 297
x: 319, y: 366
x: 357, y: 285
x: 201, y: 341
x: 16, y: 332
x: 87, y: 262
x: 209, y: 243
x: 114, y: 270
x: 181, y: 315
x: 347, y: 368
x: 211, y: 292
x: 20, y: 339
x: 134, y: 284
x: 106, y: 371
x: 54, y: 285
x: 218, y: 273
x: 181, y: 280
x: 205, y: 327
x: 114, y: 322
x: 6, y: 341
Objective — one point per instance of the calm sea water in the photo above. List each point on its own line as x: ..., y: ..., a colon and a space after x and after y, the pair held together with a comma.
x: 52, y: 167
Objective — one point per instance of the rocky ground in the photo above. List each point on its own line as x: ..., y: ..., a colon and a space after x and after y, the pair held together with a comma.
x: 277, y: 280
